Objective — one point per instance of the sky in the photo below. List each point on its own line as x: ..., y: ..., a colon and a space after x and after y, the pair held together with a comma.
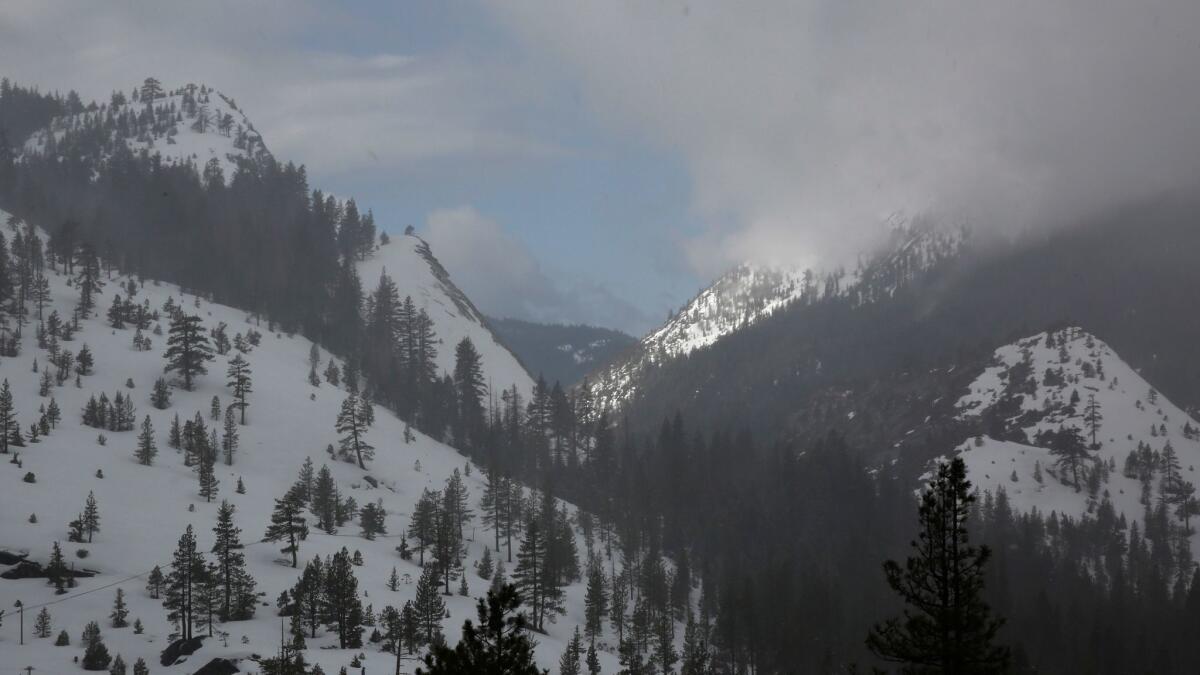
x: 601, y: 162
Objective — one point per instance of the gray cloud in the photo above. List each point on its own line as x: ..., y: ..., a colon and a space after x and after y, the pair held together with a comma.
x: 504, y: 279
x: 336, y: 111
x: 804, y: 123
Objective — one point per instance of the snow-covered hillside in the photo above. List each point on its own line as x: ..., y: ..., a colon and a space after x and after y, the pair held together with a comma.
x: 145, y: 509
x: 193, y: 124
x: 750, y: 293
x: 1050, y: 382
x: 411, y: 264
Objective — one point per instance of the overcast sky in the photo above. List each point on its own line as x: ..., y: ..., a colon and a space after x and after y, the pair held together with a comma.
x: 600, y: 161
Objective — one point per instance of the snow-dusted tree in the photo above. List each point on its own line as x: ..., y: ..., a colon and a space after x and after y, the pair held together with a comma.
x: 8, y: 418
x: 229, y: 441
x: 239, y: 382
x: 236, y: 586
x: 288, y: 523
x: 183, y: 583
x: 160, y: 395
x: 187, y: 348
x: 90, y: 520
x: 146, y: 448
x: 355, y: 417
x: 120, y: 610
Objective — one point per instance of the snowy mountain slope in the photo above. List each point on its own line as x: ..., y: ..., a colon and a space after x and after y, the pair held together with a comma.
x: 192, y: 124
x: 145, y: 509
x: 1029, y: 391
x: 750, y: 293
x: 410, y: 263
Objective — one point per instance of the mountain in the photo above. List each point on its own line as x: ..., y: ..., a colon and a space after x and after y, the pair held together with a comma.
x: 559, y: 352
x: 190, y: 125
x: 410, y: 263
x: 144, y: 509
x: 750, y: 294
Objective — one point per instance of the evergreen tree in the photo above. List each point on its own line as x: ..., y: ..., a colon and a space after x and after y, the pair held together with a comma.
x: 155, y: 582
x: 595, y: 601
x: 8, y: 421
x: 120, y: 611
x: 308, y: 595
x: 393, y: 582
x: 229, y: 441
x: 188, y: 348
x: 206, y: 472
x: 42, y: 626
x: 288, y: 523
x: 948, y: 627
x: 1068, y: 446
x: 96, y: 656
x: 568, y: 664
x: 1092, y: 417
x: 422, y: 523
x: 183, y: 583
x: 341, y: 609
x: 233, y: 580
x: 160, y: 397
x: 499, y: 644
x: 353, y: 421
x: 56, y: 570
x: 372, y: 519
x: 146, y: 448
x: 240, y: 382
x: 325, y: 501
x: 471, y: 390
x: 91, y: 516
x: 429, y: 606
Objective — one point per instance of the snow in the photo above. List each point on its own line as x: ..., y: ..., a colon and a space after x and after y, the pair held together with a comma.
x: 410, y: 263
x: 181, y: 143
x: 145, y: 509
x: 1124, y: 399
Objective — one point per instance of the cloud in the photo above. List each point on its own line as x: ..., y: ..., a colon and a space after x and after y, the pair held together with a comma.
x: 804, y: 123
x: 335, y: 108
x: 504, y: 279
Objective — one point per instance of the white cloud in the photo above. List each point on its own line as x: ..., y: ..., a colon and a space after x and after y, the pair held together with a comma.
x: 504, y: 279
x: 804, y: 123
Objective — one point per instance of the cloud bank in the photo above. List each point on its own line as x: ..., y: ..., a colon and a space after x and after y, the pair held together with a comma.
x: 804, y: 123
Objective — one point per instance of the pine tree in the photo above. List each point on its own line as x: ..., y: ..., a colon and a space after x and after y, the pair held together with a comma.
x: 91, y: 516
x: 175, y: 435
x: 499, y: 644
x: 288, y: 523
x: 948, y: 628
x: 568, y: 664
x: 596, y: 600
x: 371, y: 518
x: 471, y: 390
x: 422, y: 523
x: 155, y: 582
x: 485, y: 567
x: 235, y: 583
x: 209, y: 485
x: 308, y: 594
x: 42, y: 626
x: 120, y: 611
x: 96, y: 656
x: 8, y: 421
x: 140, y: 667
x: 229, y: 442
x: 325, y: 501
x: 1068, y: 446
x: 146, y: 449
x: 353, y: 421
x: 1092, y: 417
x: 341, y: 608
x: 187, y: 348
x: 306, y: 480
x: 429, y: 606
x: 183, y: 583
x: 393, y: 582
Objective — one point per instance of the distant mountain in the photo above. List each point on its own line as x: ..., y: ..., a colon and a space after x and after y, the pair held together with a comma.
x: 883, y: 359
x: 749, y: 294
x: 561, y: 353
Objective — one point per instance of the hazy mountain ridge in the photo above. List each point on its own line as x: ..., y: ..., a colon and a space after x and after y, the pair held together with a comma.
x: 559, y: 352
